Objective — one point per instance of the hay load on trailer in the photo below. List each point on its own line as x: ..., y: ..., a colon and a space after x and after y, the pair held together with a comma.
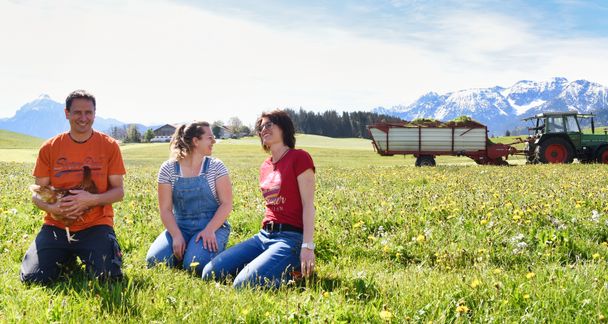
x: 428, y: 138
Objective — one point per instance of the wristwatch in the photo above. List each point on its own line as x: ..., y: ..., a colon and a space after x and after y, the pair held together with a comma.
x: 310, y: 246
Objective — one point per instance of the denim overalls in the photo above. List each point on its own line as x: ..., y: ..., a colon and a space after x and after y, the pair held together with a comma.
x: 193, y: 207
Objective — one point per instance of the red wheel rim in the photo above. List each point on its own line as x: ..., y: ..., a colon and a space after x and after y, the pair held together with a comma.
x: 555, y: 153
x: 604, y: 157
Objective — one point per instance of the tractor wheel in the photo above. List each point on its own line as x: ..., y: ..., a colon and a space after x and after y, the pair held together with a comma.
x: 602, y: 155
x: 555, y: 150
x: 425, y: 160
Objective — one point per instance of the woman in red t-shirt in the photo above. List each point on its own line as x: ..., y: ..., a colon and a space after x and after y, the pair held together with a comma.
x: 284, y: 246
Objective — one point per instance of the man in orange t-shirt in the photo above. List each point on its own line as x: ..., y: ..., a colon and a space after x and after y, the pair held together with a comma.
x: 61, y: 163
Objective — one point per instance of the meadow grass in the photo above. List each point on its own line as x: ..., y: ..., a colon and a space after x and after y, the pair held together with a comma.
x: 12, y: 140
x: 454, y: 243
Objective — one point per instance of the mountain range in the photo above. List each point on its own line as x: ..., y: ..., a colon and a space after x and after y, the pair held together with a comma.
x: 45, y: 118
x: 499, y: 108
x: 502, y: 109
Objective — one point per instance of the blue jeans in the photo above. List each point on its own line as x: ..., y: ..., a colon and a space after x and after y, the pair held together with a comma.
x: 266, y: 259
x: 162, y: 248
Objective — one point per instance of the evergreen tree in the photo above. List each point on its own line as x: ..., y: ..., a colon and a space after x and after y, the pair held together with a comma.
x: 148, y: 135
x: 133, y: 135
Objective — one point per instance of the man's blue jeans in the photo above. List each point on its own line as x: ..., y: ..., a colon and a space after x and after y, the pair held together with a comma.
x: 266, y: 259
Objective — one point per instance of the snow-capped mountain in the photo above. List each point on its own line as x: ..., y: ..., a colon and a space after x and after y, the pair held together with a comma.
x: 45, y: 118
x: 502, y: 109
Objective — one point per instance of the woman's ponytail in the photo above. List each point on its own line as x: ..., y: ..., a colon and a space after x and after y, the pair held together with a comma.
x: 181, y: 142
x: 179, y: 149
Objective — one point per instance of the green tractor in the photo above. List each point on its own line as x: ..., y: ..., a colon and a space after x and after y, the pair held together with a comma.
x: 557, y: 138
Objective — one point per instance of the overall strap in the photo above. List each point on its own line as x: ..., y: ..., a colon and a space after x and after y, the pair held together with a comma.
x: 176, y: 168
x: 206, y: 164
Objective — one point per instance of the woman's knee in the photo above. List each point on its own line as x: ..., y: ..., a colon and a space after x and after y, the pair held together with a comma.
x: 154, y: 258
x: 209, y: 272
x: 253, y: 280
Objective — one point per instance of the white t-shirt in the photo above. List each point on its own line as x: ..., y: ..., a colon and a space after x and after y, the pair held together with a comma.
x: 216, y: 170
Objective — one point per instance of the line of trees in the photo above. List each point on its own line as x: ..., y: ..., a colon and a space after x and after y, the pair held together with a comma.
x: 332, y: 124
x: 130, y: 134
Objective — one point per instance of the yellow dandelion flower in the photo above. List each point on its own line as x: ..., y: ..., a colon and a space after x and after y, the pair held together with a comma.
x: 530, y: 275
x: 497, y: 271
x: 397, y: 255
x: 462, y: 309
x: 420, y: 238
x: 358, y: 224
x: 326, y: 294
x: 475, y: 283
x: 596, y: 256
x: 601, y: 318
x: 483, y: 222
x: 386, y: 315
x: 526, y: 296
x: 516, y: 217
x: 386, y: 249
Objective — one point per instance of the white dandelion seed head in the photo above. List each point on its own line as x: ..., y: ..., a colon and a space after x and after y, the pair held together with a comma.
x: 595, y: 216
x: 517, y: 238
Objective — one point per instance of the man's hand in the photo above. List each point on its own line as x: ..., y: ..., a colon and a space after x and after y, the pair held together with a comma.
x: 77, y: 204
x: 60, y: 215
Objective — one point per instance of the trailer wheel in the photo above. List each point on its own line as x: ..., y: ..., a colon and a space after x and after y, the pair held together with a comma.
x: 555, y: 150
x: 602, y: 155
x: 425, y: 160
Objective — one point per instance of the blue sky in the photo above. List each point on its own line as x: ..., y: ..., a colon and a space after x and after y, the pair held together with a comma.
x: 184, y: 59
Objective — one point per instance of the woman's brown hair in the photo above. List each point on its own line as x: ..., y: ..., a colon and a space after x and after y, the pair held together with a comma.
x: 181, y: 142
x: 283, y: 121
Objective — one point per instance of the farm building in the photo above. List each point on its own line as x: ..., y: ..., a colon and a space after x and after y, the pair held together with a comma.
x: 164, y: 133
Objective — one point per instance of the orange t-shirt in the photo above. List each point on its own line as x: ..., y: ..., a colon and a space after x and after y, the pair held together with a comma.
x: 62, y: 160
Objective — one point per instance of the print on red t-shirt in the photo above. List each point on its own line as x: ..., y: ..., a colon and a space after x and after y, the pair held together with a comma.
x: 279, y: 185
x: 271, y: 190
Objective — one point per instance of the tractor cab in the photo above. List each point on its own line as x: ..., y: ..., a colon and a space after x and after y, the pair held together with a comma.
x: 557, y: 137
x: 558, y: 123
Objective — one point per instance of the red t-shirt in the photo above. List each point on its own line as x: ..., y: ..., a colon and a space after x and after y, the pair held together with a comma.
x: 62, y: 160
x: 279, y: 185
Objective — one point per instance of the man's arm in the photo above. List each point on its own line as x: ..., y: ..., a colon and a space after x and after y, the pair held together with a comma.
x: 81, y: 200
x: 53, y: 209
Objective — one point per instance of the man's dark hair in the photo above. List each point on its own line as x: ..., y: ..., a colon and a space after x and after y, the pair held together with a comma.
x: 282, y: 120
x: 79, y: 94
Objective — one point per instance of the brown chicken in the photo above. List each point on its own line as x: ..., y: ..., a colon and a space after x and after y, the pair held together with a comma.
x: 50, y: 194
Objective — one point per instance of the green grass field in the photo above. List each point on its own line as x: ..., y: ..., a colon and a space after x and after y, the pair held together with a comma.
x: 454, y: 243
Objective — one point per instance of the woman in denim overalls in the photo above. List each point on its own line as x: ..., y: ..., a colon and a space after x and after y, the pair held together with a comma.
x: 194, y: 214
